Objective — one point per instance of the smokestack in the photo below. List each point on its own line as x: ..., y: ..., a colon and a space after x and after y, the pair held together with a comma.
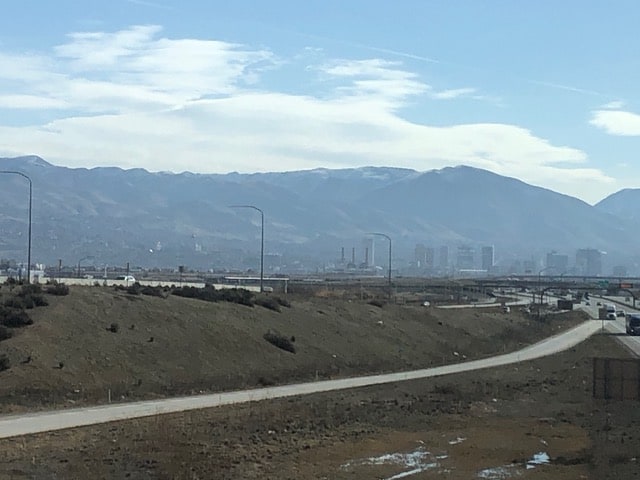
x: 353, y: 255
x: 342, y: 256
x: 366, y: 256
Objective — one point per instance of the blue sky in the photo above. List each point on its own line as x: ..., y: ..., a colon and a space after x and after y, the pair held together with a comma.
x: 543, y: 91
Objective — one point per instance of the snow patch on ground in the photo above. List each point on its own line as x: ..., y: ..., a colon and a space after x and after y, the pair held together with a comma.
x: 416, y: 462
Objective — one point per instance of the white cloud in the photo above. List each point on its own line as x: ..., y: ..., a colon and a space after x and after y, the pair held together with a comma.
x: 375, y: 78
x: 617, y: 122
x: 142, y: 100
x: 452, y: 93
x: 30, y: 102
x: 615, y: 105
x: 130, y: 70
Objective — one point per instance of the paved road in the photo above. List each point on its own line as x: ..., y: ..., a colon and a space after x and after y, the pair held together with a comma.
x: 618, y: 326
x: 56, y: 420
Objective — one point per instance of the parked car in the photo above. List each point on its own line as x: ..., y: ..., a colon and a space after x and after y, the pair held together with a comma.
x: 620, y: 313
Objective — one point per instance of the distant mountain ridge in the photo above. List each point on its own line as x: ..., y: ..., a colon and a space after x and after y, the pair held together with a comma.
x: 165, y: 219
x: 624, y: 204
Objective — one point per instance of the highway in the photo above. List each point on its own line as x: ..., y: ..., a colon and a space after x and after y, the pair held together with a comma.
x: 616, y: 326
x: 16, y: 425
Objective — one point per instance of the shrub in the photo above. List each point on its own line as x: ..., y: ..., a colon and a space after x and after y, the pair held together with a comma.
x: 5, y: 333
x: 59, y: 289
x: 237, y: 295
x: 28, y: 290
x: 265, y: 382
x: 268, y: 302
x: 210, y: 294
x: 376, y: 303
x: 15, y: 318
x: 283, y: 301
x: 5, y: 364
x: 280, y: 341
x: 153, y: 291
x: 28, y: 301
x: 19, y: 302
x: 446, y: 389
x: 39, y: 301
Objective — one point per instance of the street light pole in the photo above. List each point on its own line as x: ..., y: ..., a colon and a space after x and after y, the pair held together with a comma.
x: 388, y: 238
x: 540, y: 285
x: 540, y: 281
x: 261, y: 241
x: 13, y: 172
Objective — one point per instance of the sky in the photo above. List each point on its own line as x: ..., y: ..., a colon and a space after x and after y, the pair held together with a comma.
x: 545, y: 91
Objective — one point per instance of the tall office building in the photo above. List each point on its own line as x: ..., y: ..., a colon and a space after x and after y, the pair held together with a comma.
x: 424, y: 256
x: 557, y: 264
x: 488, y: 260
x: 589, y: 262
x: 443, y: 258
x: 420, y: 255
x: 430, y: 258
x: 464, y: 257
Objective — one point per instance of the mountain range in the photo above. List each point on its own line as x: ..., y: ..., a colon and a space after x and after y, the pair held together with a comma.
x: 164, y: 219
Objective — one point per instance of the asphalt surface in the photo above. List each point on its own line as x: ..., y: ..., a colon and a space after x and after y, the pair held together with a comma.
x: 16, y: 425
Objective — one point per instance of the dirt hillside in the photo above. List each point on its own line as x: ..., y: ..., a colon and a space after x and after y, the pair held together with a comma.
x: 97, y: 340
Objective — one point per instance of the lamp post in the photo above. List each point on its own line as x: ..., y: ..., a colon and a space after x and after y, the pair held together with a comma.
x: 13, y: 172
x: 83, y: 258
x: 388, y: 238
x: 261, y: 241
x: 540, y: 281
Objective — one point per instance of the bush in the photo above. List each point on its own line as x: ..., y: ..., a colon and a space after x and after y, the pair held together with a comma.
x: 210, y: 294
x: 268, y: 302
x: 377, y: 303
x: 28, y: 290
x: 28, y: 301
x: 14, y: 318
x: 283, y: 301
x: 19, y: 302
x: 280, y: 341
x: 153, y: 291
x: 39, y: 301
x: 237, y: 295
x: 59, y: 289
x: 5, y: 333
x: 5, y: 364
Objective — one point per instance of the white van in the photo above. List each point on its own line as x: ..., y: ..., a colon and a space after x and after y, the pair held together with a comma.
x: 126, y: 278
